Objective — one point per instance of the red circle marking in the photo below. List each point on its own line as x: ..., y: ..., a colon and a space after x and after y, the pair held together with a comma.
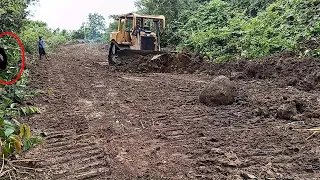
x: 22, y: 58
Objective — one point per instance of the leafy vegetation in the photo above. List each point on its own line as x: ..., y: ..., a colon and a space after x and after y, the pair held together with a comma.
x: 229, y: 29
x: 113, y: 26
x: 93, y: 30
x: 13, y: 13
x: 16, y: 137
x: 33, y: 29
x: 12, y: 138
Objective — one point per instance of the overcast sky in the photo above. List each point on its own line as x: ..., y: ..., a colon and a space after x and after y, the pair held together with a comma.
x: 69, y: 14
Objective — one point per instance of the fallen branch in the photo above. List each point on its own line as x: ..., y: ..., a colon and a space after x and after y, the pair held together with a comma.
x: 5, y: 172
x: 26, y: 160
x: 2, y: 164
x: 10, y: 175
x: 13, y: 169
x: 313, y: 130
x: 142, y: 124
x: 28, y: 168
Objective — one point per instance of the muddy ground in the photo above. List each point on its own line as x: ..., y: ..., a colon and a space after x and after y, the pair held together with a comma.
x: 136, y: 122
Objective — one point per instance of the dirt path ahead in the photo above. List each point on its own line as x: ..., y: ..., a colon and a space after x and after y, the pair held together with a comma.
x: 104, y: 124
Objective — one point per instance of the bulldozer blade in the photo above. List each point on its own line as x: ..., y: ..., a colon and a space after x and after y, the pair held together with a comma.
x: 128, y: 52
x: 122, y: 54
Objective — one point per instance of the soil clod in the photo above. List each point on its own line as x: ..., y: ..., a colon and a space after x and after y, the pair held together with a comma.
x: 221, y: 91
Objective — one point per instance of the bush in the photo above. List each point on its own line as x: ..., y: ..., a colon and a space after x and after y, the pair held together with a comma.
x: 33, y: 29
x: 16, y: 137
x: 222, y: 33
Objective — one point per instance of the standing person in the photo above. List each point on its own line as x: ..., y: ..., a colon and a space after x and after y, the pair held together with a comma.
x: 42, y: 52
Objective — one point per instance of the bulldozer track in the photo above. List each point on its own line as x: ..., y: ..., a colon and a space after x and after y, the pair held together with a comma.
x: 72, y: 156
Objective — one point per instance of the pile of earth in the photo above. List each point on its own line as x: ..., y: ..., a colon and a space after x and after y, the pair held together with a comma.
x: 264, y: 98
x: 288, y: 85
x: 165, y: 63
x: 270, y: 101
x: 286, y: 68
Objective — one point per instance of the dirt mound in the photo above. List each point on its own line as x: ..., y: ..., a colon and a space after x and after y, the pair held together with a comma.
x: 171, y: 62
x: 221, y: 91
x: 287, y: 68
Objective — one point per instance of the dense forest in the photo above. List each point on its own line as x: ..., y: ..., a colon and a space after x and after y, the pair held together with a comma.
x: 229, y: 29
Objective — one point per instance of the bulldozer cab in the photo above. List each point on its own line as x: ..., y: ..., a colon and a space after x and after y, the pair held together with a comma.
x: 139, y: 34
x: 133, y: 28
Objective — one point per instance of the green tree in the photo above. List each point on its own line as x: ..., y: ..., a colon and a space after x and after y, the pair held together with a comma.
x: 96, y: 25
x: 251, y: 7
x: 13, y: 13
x: 33, y: 29
x: 207, y: 31
x: 82, y: 33
x: 93, y: 30
x: 113, y: 26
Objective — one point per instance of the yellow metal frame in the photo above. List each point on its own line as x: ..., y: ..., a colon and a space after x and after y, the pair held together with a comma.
x: 135, y: 16
x: 122, y: 37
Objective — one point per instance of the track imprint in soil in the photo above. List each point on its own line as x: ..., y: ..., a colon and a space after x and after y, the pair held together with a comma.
x: 69, y: 155
x: 109, y: 123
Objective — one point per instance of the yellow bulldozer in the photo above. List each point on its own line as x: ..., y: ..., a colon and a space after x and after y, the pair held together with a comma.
x: 136, y: 34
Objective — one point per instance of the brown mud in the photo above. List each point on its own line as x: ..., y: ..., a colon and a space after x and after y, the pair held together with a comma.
x: 145, y: 121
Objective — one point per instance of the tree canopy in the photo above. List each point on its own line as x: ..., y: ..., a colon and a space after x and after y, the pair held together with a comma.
x: 93, y: 29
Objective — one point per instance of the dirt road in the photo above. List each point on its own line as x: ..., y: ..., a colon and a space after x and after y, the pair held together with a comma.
x: 104, y: 124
